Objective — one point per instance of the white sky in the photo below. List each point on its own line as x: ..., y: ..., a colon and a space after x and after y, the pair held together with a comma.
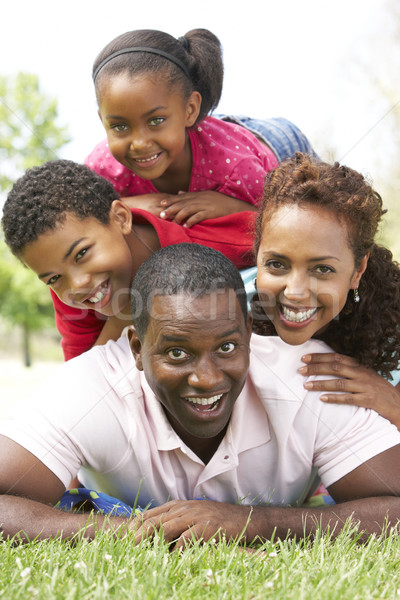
x: 283, y: 58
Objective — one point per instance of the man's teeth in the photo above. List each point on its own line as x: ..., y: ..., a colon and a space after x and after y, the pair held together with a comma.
x: 205, y: 401
x: 147, y: 159
x: 299, y: 316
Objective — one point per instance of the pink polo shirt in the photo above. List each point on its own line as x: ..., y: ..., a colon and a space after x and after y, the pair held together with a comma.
x: 108, y: 424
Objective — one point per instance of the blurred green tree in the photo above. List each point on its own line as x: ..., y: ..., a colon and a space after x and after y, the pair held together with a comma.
x: 29, y: 136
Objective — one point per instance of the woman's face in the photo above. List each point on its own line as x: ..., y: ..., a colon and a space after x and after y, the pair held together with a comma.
x: 305, y: 270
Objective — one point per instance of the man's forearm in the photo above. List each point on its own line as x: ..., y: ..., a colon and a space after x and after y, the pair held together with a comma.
x: 33, y: 520
x: 372, y: 515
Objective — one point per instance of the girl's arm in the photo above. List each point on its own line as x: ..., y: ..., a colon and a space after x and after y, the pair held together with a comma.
x: 353, y: 384
x: 188, y: 208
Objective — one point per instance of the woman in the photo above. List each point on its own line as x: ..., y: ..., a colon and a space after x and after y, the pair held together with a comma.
x: 320, y: 274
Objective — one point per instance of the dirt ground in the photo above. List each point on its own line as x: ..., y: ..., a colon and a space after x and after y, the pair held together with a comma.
x: 18, y: 382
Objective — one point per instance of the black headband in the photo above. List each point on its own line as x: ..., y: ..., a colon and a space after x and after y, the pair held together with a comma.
x: 166, y: 55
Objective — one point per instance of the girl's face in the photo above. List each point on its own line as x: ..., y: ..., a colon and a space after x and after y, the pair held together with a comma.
x: 146, y: 123
x: 305, y: 270
x: 86, y: 263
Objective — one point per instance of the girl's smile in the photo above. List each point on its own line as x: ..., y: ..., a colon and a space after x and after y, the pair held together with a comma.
x: 305, y: 270
x: 146, y: 121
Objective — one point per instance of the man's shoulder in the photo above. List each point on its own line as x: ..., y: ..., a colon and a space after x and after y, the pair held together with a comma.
x: 274, y: 365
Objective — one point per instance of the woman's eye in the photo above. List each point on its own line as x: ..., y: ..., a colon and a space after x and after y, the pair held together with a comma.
x: 324, y: 269
x: 53, y: 279
x: 177, y: 354
x: 274, y: 265
x: 227, y: 347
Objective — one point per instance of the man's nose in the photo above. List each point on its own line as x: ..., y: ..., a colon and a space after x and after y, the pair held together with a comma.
x: 206, y: 374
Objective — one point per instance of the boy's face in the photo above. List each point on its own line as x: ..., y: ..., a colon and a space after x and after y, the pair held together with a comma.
x: 195, y: 356
x: 86, y: 263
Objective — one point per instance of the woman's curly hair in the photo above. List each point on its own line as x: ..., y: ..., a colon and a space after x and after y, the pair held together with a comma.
x: 40, y: 200
x: 369, y: 330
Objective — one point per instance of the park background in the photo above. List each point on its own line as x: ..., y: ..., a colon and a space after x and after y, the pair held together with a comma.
x: 330, y: 67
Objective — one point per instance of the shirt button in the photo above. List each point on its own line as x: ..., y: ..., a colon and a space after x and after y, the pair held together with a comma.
x: 226, y: 457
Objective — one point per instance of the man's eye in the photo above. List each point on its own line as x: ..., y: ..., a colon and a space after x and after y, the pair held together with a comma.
x: 227, y: 347
x: 177, y: 354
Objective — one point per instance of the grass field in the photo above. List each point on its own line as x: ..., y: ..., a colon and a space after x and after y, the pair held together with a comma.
x: 109, y: 568
x: 115, y: 568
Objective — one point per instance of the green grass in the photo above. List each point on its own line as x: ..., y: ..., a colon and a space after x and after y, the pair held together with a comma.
x: 116, y: 568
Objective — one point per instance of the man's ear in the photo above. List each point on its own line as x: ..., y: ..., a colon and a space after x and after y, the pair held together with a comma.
x: 122, y: 215
x: 135, y: 346
x: 355, y: 280
x: 193, y: 108
x: 249, y: 324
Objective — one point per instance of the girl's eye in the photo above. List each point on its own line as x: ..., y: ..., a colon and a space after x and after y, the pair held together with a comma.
x: 177, y: 354
x: 157, y: 121
x: 227, y: 348
x: 120, y: 127
x: 81, y: 253
x: 324, y: 269
x: 53, y: 279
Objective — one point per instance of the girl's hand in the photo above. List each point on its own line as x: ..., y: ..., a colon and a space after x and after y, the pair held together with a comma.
x: 149, y: 202
x: 189, y: 208
x: 358, y: 385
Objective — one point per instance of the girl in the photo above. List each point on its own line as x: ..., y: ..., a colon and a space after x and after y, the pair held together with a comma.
x: 320, y: 274
x: 163, y: 153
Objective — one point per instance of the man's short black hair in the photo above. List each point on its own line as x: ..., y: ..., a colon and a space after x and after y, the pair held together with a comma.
x: 182, y: 268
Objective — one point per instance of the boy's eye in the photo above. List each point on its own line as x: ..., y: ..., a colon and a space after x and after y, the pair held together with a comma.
x: 226, y: 348
x: 177, y: 354
x: 157, y: 121
x: 81, y: 253
x: 53, y: 279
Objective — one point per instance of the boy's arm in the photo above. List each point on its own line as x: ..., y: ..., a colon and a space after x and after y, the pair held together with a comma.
x: 368, y: 494
x: 28, y: 490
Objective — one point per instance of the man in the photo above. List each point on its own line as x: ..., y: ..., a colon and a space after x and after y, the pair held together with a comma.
x: 230, y: 447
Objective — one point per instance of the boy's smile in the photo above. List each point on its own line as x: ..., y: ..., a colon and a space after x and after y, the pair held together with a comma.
x: 195, y: 356
x: 88, y: 264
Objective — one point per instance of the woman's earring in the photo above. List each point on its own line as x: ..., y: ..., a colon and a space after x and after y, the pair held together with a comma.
x: 356, y: 295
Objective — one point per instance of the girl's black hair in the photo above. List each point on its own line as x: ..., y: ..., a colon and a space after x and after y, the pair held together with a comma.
x: 198, y: 50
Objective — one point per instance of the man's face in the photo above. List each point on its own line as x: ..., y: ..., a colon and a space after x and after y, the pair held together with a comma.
x: 195, y: 355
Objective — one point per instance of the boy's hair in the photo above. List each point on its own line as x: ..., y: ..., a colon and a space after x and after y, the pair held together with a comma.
x: 182, y: 268
x: 369, y: 330
x: 199, y: 51
x: 40, y: 200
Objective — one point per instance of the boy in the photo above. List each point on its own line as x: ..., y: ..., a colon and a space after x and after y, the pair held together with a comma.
x: 68, y: 225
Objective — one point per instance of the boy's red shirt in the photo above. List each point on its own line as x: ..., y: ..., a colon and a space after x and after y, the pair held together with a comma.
x: 233, y: 235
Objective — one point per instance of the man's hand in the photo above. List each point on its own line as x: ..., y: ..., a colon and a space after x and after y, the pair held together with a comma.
x: 354, y: 384
x: 183, y: 521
